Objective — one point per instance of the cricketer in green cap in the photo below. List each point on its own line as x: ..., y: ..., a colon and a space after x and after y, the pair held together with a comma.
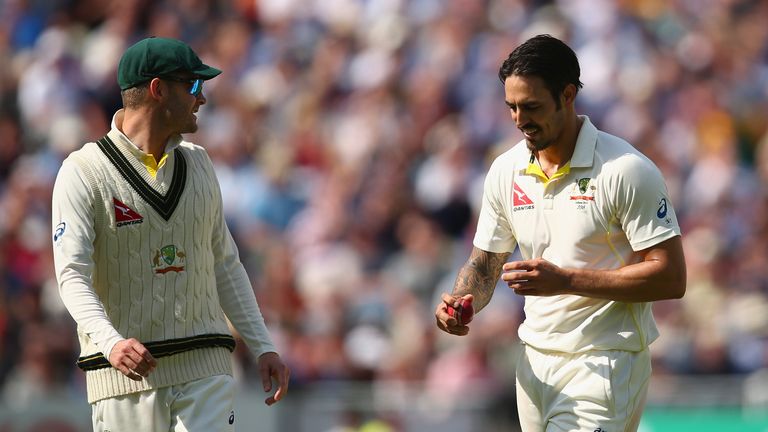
x: 159, y: 57
x: 153, y: 202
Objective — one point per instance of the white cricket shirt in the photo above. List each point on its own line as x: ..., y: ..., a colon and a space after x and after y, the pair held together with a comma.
x: 607, y: 202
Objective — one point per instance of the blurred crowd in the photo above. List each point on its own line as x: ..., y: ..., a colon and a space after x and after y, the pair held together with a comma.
x: 351, y: 138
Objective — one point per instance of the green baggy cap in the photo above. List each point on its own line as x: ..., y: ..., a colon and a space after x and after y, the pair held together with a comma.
x: 157, y: 57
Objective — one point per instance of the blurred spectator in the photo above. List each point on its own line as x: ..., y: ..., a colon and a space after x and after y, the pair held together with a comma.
x: 350, y: 138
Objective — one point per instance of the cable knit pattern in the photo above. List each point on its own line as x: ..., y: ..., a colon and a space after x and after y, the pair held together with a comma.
x: 156, y: 276
x: 196, y: 206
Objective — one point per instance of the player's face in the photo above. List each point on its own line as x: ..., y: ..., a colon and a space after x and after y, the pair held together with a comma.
x: 183, y: 105
x: 534, y: 110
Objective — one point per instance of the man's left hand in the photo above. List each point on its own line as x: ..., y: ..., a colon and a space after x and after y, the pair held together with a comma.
x: 271, y: 366
x: 536, y: 277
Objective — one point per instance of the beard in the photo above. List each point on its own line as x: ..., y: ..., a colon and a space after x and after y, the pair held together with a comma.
x: 538, y: 142
x: 190, y: 128
x: 538, y: 145
x: 185, y: 123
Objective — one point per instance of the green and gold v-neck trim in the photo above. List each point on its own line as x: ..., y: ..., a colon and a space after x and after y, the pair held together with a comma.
x: 164, y: 205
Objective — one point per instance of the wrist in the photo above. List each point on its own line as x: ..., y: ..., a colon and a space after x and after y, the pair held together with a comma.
x: 110, y: 345
x: 569, y: 281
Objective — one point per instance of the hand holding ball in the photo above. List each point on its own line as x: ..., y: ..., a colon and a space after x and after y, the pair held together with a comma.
x: 464, y: 312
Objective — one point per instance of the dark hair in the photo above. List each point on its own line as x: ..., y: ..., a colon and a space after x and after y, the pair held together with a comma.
x: 547, y: 58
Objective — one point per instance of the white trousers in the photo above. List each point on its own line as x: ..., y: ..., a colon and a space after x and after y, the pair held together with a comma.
x: 197, y: 406
x: 592, y: 392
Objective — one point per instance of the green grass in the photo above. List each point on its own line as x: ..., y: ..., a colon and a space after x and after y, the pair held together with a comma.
x: 659, y: 419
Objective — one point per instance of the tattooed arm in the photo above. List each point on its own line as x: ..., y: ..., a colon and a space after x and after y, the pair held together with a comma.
x: 477, y: 278
x: 479, y: 275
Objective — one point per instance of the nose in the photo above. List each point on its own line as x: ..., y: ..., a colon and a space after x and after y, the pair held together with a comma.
x: 201, y: 100
x: 520, y: 118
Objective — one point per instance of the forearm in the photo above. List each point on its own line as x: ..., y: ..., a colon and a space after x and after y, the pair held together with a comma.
x: 86, y: 309
x: 660, y: 275
x: 237, y: 298
x: 239, y: 305
x: 478, y: 276
x: 642, y: 282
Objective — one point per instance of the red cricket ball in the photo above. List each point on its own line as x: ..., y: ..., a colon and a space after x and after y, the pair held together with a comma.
x: 464, y: 312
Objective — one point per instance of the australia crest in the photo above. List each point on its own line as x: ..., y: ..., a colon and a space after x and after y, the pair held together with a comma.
x: 169, y: 258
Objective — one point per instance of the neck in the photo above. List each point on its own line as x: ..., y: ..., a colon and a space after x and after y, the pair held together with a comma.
x: 560, y: 151
x: 144, y: 129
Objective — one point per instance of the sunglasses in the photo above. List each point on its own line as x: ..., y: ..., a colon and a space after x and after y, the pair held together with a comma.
x: 196, y: 84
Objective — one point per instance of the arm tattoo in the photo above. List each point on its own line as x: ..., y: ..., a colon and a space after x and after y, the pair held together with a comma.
x: 478, y: 276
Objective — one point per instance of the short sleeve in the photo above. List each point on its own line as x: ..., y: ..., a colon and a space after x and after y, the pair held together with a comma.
x: 642, y: 204
x: 494, y: 229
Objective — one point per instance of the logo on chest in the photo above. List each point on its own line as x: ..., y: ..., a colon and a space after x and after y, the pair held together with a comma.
x: 125, y: 215
x: 520, y: 200
x: 583, y: 192
x: 168, y: 259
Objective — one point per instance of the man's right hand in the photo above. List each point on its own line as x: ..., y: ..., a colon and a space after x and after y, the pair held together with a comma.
x: 445, y: 321
x: 132, y: 359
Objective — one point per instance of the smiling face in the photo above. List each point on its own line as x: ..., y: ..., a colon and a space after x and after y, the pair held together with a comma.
x: 534, y: 110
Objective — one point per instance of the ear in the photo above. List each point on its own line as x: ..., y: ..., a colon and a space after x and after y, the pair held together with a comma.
x: 157, y: 89
x: 569, y: 94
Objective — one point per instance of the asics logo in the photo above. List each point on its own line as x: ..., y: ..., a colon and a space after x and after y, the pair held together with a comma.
x: 59, y: 231
x: 662, y: 211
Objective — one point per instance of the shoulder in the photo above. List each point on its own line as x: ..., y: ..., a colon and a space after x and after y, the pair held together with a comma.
x: 195, y: 153
x: 515, y: 157
x: 77, y: 176
x: 87, y: 151
x: 191, y: 148
x: 198, y: 161
x: 621, y: 159
x: 83, y: 159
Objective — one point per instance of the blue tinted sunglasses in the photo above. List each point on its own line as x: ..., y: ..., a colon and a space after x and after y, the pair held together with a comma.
x: 196, y: 84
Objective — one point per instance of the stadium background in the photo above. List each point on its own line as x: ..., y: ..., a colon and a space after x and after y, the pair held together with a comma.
x: 351, y: 138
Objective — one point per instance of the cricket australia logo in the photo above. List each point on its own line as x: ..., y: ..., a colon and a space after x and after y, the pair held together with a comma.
x: 520, y: 200
x: 583, y: 183
x: 583, y: 191
x: 168, y: 259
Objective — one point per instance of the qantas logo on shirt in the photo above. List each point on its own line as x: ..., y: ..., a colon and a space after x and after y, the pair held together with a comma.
x: 125, y: 215
x: 520, y: 200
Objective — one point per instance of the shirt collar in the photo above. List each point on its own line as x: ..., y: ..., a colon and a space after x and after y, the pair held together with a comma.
x: 118, y: 137
x: 584, y: 152
x: 534, y: 169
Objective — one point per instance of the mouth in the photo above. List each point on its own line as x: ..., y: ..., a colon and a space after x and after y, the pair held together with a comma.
x: 530, y: 132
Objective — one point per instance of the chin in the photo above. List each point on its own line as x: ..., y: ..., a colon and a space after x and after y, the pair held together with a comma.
x: 190, y: 129
x: 537, y: 145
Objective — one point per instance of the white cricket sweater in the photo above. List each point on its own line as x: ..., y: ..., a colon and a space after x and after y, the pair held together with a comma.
x: 151, y: 259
